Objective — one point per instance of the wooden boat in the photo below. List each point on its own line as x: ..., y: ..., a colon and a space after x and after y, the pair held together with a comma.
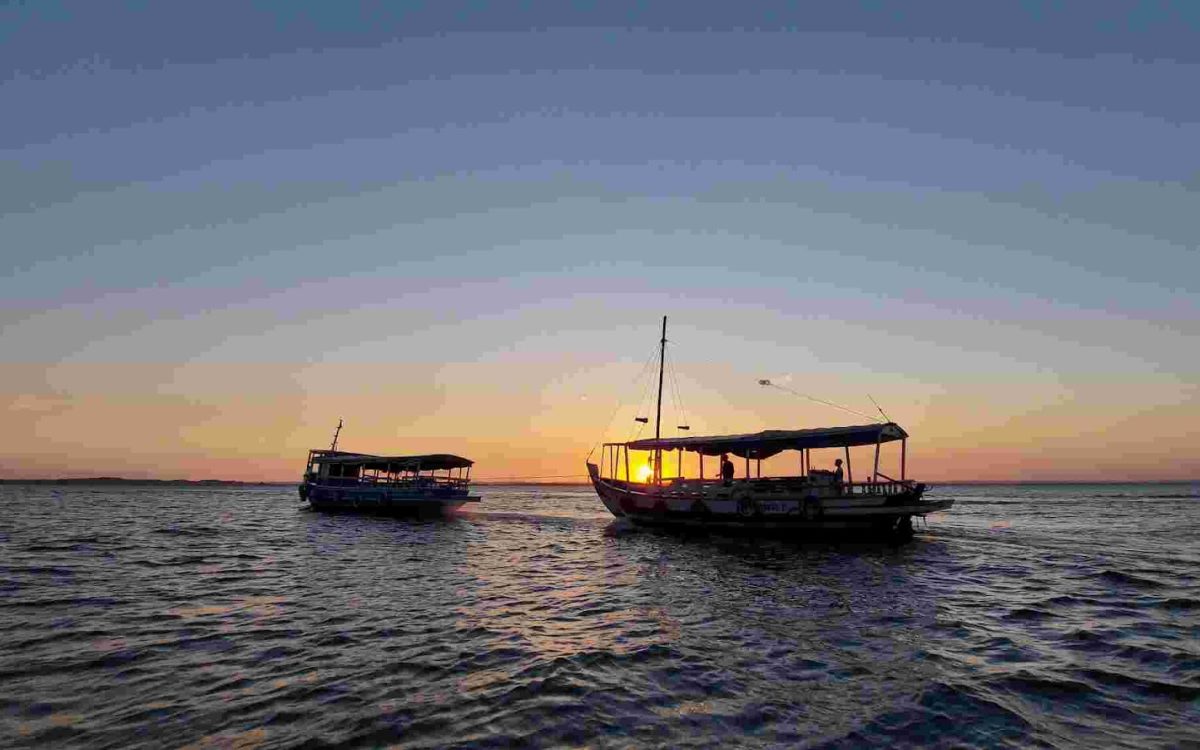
x: 426, y: 485
x: 814, y: 502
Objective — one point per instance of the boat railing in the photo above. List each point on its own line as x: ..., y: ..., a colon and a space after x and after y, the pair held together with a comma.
x: 768, y: 485
x: 881, y: 484
x: 406, y: 482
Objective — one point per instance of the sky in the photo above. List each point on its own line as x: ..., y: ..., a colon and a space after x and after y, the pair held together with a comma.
x: 457, y: 226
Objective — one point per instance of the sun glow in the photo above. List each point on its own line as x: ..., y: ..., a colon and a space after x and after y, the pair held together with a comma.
x: 644, y: 473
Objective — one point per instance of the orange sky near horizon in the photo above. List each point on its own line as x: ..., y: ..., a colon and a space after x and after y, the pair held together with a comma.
x: 538, y: 421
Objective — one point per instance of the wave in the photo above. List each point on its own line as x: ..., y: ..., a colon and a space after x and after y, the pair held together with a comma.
x: 1144, y: 686
x: 1128, y: 579
x: 1150, y: 496
x: 1180, y: 604
x: 1029, y: 614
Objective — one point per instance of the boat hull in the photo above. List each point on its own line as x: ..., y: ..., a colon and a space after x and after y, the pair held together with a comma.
x: 383, y: 500
x: 741, y: 507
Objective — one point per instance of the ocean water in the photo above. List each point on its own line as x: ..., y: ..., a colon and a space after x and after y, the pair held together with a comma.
x: 1028, y: 616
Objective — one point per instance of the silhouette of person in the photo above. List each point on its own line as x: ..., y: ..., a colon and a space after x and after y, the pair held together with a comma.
x: 726, y: 469
x: 837, y: 474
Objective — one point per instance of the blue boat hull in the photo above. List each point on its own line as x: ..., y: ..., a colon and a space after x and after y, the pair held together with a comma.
x: 384, y: 500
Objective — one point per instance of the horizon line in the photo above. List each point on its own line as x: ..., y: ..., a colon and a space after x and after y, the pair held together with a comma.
x: 510, y: 483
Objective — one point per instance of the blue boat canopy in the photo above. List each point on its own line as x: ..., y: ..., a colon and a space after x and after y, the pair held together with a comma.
x: 434, y: 461
x: 769, y: 442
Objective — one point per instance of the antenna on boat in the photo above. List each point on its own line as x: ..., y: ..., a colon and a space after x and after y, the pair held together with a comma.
x: 336, y: 432
x: 880, y: 408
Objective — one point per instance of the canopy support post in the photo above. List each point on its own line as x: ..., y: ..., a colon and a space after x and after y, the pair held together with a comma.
x: 876, y: 472
x: 758, y: 468
x: 849, y: 472
x: 626, y: 463
x: 679, y: 464
x: 701, y: 466
x: 747, y: 465
x: 903, y: 456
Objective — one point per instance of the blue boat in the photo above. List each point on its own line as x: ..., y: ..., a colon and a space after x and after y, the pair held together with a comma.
x: 427, y: 485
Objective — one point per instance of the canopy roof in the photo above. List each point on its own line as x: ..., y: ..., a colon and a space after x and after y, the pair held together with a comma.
x: 434, y: 461
x: 769, y: 442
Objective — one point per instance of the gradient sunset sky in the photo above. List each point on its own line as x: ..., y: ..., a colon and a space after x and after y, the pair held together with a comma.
x: 224, y: 226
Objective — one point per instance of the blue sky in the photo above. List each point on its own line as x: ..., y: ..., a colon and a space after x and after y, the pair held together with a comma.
x: 946, y: 203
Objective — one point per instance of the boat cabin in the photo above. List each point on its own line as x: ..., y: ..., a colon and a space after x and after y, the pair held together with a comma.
x: 332, y: 468
x: 651, y: 465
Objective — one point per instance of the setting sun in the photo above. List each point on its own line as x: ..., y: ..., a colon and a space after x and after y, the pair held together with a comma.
x: 644, y: 473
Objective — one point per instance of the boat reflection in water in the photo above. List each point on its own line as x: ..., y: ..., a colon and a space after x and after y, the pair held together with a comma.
x: 813, y: 503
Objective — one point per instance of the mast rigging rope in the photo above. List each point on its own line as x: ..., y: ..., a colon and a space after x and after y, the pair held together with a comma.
x: 769, y: 384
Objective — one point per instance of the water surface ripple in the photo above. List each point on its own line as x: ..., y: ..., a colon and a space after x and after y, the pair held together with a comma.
x: 1047, y: 616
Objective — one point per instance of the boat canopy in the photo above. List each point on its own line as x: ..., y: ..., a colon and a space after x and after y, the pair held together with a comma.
x: 769, y: 442
x: 435, y: 461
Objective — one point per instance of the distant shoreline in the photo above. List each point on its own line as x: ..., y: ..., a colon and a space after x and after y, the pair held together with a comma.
x: 149, y: 482
x: 238, y: 483
x: 229, y: 482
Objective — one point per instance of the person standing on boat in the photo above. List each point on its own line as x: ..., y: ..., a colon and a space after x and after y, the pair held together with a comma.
x: 726, y: 469
x: 837, y: 474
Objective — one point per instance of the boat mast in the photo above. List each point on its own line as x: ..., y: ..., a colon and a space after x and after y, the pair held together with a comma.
x: 335, y: 435
x: 662, y: 358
